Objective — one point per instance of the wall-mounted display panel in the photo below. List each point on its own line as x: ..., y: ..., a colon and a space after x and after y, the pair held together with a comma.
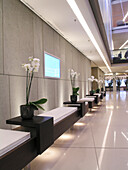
x: 51, y: 66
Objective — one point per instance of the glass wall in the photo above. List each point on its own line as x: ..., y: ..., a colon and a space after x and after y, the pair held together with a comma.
x: 123, y: 83
x: 106, y: 12
x: 120, y: 56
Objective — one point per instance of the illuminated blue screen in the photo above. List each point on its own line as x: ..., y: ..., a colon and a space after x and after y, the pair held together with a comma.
x: 52, y: 66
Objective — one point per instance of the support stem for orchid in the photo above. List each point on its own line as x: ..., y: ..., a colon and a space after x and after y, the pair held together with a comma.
x: 27, y: 88
x: 30, y: 85
x: 30, y: 68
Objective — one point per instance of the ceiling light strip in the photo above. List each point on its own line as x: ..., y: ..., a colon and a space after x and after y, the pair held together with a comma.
x: 82, y: 21
x: 112, y: 45
x: 125, y: 16
x: 124, y: 44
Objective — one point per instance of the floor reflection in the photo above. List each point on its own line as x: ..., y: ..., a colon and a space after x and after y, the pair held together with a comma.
x: 98, y: 141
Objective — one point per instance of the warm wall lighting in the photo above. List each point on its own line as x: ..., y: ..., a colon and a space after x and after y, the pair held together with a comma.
x: 86, y: 28
x: 51, y: 154
x: 66, y: 137
x: 95, y: 107
x: 124, y: 44
x: 93, y: 110
x: 79, y: 124
x: 125, y: 16
x: 110, y: 107
x: 88, y: 115
x: 99, y: 104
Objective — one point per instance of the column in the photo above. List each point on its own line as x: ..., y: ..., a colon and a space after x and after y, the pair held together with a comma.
x: 114, y: 81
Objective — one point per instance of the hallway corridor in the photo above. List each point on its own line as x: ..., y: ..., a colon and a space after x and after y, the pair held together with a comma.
x: 99, y: 141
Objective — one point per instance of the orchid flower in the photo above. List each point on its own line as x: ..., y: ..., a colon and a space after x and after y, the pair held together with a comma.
x: 32, y: 67
x: 92, y: 79
x: 96, y: 80
x: 73, y: 76
x: 26, y: 66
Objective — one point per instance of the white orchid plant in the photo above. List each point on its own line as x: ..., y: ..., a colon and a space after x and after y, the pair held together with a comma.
x: 30, y: 68
x: 73, y: 76
x: 92, y: 78
x: 100, y: 81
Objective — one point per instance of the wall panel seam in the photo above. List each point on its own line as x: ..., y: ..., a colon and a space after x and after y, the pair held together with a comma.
x: 3, y: 33
x: 9, y: 95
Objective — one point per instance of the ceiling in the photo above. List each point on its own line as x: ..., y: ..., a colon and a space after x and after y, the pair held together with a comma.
x: 60, y: 17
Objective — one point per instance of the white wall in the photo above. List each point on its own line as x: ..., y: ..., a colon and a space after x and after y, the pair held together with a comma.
x: 24, y: 34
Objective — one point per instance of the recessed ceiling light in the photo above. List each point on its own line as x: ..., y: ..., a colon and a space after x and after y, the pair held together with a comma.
x: 124, y: 44
x: 125, y: 16
x: 112, y: 45
x: 86, y: 28
x: 108, y: 74
x: 125, y: 47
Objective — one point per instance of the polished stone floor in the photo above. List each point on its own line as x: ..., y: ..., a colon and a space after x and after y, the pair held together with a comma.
x: 99, y: 141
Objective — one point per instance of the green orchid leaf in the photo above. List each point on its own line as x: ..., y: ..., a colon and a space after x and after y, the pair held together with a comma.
x: 37, y: 106
x: 40, y: 107
x: 41, y: 101
x: 31, y: 103
x: 75, y: 90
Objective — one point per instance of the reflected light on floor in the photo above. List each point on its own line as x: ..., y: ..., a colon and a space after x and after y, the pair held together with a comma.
x: 110, y: 107
x: 104, y: 140
x: 89, y: 114
x: 50, y: 154
x: 124, y: 135
x: 66, y: 137
x: 95, y: 107
x: 114, y: 138
x: 123, y: 96
x: 79, y: 124
x: 93, y: 110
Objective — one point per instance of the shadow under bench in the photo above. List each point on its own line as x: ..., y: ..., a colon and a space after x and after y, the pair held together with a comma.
x: 43, y: 130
